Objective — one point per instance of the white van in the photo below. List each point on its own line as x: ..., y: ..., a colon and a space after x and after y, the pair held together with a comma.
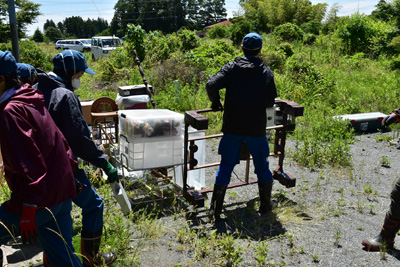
x: 81, y: 45
x: 102, y: 45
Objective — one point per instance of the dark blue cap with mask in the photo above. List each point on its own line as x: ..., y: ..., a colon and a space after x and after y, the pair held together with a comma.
x: 25, y: 70
x: 71, y: 60
x: 252, y: 41
x: 7, y: 63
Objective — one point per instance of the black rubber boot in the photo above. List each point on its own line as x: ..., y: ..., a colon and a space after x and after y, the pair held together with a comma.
x: 90, y: 244
x: 217, y: 201
x: 385, y: 239
x: 265, y: 190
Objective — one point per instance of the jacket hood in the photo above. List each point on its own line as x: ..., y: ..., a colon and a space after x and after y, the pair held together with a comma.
x: 46, y: 81
x: 29, y: 96
x: 249, y: 62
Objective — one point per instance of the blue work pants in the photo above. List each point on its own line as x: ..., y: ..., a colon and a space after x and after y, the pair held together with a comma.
x: 91, y: 204
x: 229, y: 149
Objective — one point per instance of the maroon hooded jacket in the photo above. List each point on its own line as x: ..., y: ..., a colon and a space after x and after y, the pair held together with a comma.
x: 38, y: 162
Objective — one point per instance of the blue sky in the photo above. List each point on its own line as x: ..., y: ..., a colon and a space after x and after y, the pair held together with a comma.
x: 58, y: 10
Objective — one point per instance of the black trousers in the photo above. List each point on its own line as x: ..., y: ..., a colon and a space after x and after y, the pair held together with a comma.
x: 394, y: 211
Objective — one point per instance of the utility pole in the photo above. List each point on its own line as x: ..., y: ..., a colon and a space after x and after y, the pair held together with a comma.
x: 13, y: 29
x: 176, y: 23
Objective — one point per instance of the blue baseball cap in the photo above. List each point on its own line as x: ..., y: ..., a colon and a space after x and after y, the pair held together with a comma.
x: 7, y: 63
x: 71, y: 60
x: 252, y: 41
x: 25, y: 70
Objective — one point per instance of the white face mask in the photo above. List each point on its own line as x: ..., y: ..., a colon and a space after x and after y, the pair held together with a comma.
x: 76, y: 83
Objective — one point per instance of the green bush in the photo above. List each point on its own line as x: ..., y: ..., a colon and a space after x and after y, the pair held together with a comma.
x: 239, y: 28
x: 175, y: 69
x: 275, y: 60
x: 287, y: 48
x: 395, y: 63
x: 32, y: 54
x: 394, y: 45
x: 289, y: 32
x: 160, y: 47
x: 309, y: 83
x: 356, y: 31
x: 135, y: 40
x: 322, y: 140
x: 309, y: 38
x: 195, y: 66
x: 311, y: 27
x: 218, y: 31
x: 210, y: 57
x: 189, y: 39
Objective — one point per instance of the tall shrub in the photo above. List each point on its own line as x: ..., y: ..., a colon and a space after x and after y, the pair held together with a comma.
x: 189, y: 39
x: 289, y: 32
x: 135, y: 38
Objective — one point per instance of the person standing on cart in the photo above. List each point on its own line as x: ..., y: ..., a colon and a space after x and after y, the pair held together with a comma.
x: 64, y: 106
x: 250, y: 89
x: 391, y: 225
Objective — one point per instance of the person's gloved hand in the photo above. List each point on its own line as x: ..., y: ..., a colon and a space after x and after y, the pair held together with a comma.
x: 392, y: 118
x: 217, y: 106
x: 111, y: 172
x: 27, y: 226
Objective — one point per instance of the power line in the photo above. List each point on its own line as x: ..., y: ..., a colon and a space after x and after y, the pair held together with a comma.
x: 147, y: 18
x: 96, y: 8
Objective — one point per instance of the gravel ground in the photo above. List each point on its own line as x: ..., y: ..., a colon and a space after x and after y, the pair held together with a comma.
x: 320, y: 222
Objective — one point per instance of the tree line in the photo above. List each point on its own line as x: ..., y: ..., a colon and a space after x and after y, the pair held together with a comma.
x: 71, y: 27
x: 166, y: 15
x: 169, y: 16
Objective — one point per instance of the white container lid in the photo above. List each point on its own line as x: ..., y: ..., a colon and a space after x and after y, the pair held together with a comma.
x: 150, y: 114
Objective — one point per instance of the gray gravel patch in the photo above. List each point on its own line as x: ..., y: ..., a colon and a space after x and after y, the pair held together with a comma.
x: 332, y: 212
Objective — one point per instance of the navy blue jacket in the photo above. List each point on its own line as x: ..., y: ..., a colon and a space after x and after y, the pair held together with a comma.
x: 250, y: 89
x: 65, y: 109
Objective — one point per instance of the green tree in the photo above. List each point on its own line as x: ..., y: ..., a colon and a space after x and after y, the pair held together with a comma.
x: 356, y: 32
x: 189, y: 39
x: 289, y: 32
x: 26, y: 12
x: 332, y: 19
x: 48, y: 23
x: 218, y: 31
x: 396, y: 12
x: 135, y: 39
x: 239, y: 28
x: 383, y: 11
x: 211, y: 12
x: 269, y: 14
x: 166, y: 16
x: 38, y: 36
x: 311, y: 27
x: 73, y: 26
x: 53, y: 33
x: 60, y: 26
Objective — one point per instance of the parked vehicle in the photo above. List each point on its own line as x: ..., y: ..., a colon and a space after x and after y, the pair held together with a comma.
x: 81, y: 45
x: 102, y: 45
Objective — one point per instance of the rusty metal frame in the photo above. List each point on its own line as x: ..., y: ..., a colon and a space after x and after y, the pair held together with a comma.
x: 195, y: 119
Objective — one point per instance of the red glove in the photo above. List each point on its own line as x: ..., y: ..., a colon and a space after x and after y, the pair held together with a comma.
x: 27, y: 226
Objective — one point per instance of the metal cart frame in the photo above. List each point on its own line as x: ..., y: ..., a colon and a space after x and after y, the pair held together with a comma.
x: 195, y: 119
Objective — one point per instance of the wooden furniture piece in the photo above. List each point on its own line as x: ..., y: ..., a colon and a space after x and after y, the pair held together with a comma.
x: 104, y: 113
